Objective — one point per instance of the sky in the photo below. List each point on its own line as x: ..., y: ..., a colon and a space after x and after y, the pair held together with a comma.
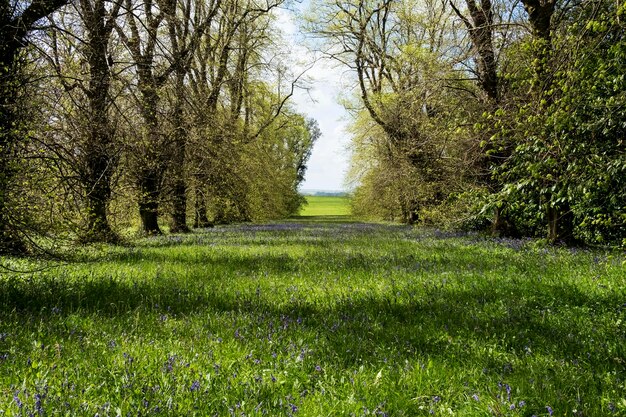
x: 328, y: 164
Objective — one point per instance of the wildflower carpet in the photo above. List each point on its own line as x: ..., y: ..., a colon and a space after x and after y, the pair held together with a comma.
x: 308, y: 318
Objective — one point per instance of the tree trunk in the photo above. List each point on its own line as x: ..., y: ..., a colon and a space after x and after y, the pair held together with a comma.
x: 201, y: 220
x: 560, y: 225
x: 149, y: 187
x: 540, y: 17
x: 553, y: 224
x: 10, y: 241
x: 179, y: 215
x: 480, y: 29
x: 98, y: 185
x: 499, y: 223
x: 99, y: 160
x: 150, y: 174
x: 98, y: 227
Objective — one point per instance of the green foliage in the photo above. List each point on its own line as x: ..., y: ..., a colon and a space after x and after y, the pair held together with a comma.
x: 566, y: 151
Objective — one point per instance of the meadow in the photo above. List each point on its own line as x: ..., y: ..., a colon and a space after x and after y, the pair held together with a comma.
x: 332, y: 208
x: 312, y: 318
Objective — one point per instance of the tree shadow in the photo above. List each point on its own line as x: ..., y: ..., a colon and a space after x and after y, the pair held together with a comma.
x: 421, y: 315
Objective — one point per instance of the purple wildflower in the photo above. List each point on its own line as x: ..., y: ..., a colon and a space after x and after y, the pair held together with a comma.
x: 475, y: 397
x: 169, y: 364
x: 195, y: 386
x: 17, y: 400
x: 38, y: 405
x: 550, y: 411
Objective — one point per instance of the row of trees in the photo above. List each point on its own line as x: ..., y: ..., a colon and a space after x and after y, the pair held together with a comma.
x: 176, y: 107
x: 487, y: 113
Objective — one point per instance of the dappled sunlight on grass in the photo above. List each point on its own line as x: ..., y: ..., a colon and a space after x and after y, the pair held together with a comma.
x: 311, y: 318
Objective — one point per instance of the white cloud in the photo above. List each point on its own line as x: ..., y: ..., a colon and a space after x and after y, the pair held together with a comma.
x: 329, y: 159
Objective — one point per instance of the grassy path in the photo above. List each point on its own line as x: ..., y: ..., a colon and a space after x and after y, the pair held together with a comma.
x: 315, y: 318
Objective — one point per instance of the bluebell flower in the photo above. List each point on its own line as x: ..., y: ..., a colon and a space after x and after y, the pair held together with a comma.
x: 195, y: 386
x: 475, y: 397
x: 38, y: 405
x: 550, y: 411
x: 17, y: 400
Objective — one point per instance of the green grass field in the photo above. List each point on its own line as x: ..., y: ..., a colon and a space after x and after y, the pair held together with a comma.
x: 326, y: 206
x: 317, y: 319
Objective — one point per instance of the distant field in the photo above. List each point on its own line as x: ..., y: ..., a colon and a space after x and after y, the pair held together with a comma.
x: 326, y: 206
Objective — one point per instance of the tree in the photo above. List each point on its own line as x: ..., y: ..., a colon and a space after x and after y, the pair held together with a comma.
x: 567, y: 167
x: 17, y: 21
x: 92, y: 153
x: 398, y: 54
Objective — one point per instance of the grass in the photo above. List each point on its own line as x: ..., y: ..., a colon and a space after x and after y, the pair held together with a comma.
x: 326, y: 206
x: 318, y: 319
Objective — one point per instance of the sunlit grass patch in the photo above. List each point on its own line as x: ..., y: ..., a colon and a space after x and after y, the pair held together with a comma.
x: 326, y: 206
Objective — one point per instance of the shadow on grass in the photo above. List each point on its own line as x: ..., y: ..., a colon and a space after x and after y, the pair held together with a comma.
x: 251, y: 256
x: 414, y: 317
